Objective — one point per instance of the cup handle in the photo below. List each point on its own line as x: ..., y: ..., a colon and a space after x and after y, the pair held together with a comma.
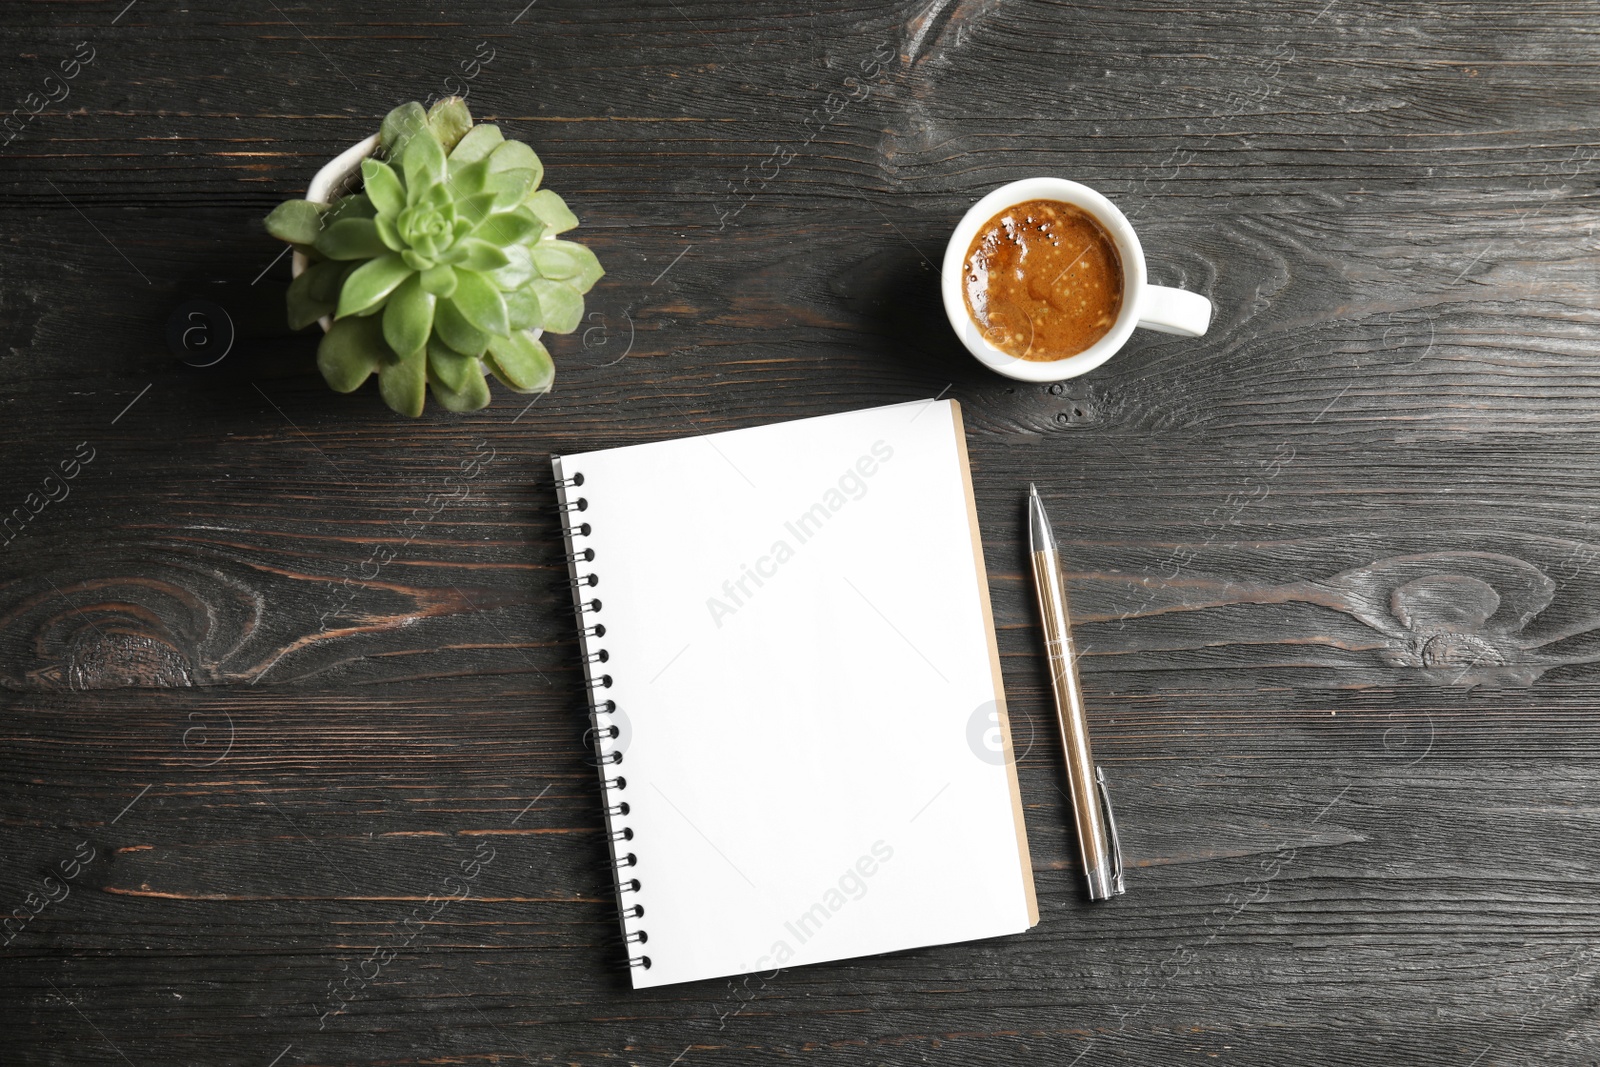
x: 1174, y: 311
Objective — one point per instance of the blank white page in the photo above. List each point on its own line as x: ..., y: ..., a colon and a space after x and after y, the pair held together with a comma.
x: 810, y: 711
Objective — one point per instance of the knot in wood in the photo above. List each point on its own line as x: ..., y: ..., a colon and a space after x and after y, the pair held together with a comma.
x: 118, y: 659
x: 1459, y: 650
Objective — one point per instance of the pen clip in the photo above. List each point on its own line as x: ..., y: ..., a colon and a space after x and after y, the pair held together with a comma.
x: 1111, y: 830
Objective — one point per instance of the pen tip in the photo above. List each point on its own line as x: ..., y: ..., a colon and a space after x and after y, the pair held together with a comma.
x: 1040, y: 536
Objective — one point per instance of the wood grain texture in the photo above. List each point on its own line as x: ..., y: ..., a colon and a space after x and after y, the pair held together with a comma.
x: 1336, y: 565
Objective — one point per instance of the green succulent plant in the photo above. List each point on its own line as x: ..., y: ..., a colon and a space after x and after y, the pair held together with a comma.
x: 441, y: 267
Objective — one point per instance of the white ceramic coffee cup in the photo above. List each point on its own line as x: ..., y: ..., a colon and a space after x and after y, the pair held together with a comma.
x: 1154, y: 307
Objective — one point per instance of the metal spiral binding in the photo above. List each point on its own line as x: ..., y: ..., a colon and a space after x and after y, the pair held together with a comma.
x: 608, y: 732
x: 600, y: 731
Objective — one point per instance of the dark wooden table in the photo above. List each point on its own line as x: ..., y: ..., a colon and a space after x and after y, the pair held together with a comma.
x: 1335, y: 564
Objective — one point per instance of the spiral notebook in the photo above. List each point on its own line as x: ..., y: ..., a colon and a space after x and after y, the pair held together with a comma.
x: 795, y: 693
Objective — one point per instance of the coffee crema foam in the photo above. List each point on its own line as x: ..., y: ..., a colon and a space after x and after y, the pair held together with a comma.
x: 1043, y: 280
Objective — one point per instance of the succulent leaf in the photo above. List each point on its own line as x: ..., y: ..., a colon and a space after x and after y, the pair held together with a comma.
x: 510, y: 187
x: 423, y: 165
x: 439, y: 197
x: 354, y: 206
x: 350, y: 352
x: 389, y: 233
x: 510, y: 227
x: 370, y: 283
x: 589, y: 269
x: 515, y: 155
x: 454, y: 330
x: 477, y: 144
x: 475, y: 209
x: 467, y: 179
x: 522, y: 362
x: 400, y: 125
x: 383, y: 187
x: 560, y: 306
x: 351, y: 239
x: 480, y: 303
x: 326, y: 278
x: 451, y: 367
x: 304, y: 307
x: 554, y: 261
x: 449, y: 120
x: 475, y: 396
x: 479, y: 255
x: 408, y: 316
x: 295, y: 221
x: 552, y: 211
x: 440, y: 280
x: 511, y: 155
x: 522, y: 309
x: 517, y: 273
x: 403, y: 383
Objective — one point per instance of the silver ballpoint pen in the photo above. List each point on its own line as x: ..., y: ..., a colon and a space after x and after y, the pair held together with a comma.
x: 1091, y: 804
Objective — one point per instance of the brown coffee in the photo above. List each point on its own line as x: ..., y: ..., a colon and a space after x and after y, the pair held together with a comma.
x: 1043, y: 280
